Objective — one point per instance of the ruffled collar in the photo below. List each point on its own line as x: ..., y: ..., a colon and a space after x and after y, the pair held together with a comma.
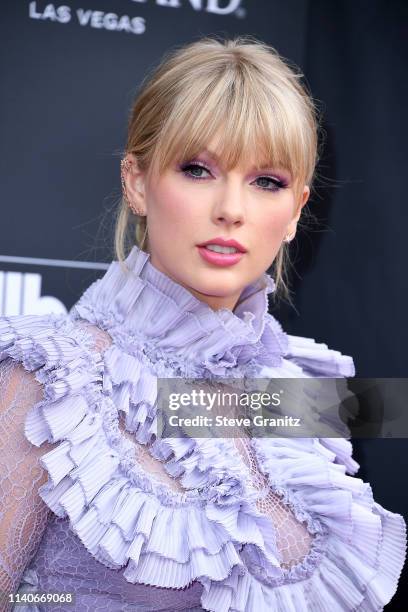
x: 150, y: 309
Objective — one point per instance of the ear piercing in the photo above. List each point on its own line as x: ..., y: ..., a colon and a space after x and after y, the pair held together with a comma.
x: 125, y: 166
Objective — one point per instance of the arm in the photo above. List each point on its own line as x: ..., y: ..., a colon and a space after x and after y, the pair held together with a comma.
x: 23, y: 514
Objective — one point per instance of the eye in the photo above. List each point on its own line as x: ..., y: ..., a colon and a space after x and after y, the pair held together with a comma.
x: 269, y: 183
x: 194, y: 170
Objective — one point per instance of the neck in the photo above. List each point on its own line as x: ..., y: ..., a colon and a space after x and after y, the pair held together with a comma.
x: 215, y: 302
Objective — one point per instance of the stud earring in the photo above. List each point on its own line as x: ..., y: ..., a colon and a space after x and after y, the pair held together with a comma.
x: 289, y: 237
x: 125, y: 166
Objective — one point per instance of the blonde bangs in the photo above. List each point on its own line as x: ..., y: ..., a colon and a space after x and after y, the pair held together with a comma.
x: 249, y: 125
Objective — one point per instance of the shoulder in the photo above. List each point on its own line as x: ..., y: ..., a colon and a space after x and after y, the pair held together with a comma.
x: 41, y: 340
x: 302, y: 356
x: 317, y: 359
x: 60, y: 357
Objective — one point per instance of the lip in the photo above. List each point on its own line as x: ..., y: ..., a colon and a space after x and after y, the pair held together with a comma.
x: 219, y: 259
x: 225, y: 242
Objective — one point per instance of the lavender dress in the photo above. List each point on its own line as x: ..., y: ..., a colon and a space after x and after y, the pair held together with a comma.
x: 129, y: 522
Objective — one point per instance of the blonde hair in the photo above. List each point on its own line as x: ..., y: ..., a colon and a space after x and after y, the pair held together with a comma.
x: 239, y: 89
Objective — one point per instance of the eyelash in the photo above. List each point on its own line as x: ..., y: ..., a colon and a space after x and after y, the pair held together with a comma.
x: 277, y: 183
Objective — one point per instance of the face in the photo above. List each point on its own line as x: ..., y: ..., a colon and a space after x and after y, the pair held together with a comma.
x: 200, y: 201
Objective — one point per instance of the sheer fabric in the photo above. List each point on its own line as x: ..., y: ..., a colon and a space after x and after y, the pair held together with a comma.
x: 24, y: 516
x: 292, y: 537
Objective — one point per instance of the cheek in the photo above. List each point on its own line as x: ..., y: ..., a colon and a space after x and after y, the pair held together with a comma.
x: 274, y: 224
x: 169, y: 202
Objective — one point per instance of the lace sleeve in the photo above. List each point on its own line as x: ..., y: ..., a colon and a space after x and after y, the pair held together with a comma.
x: 23, y: 514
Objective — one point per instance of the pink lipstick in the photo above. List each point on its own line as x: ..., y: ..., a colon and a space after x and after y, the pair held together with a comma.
x: 219, y: 258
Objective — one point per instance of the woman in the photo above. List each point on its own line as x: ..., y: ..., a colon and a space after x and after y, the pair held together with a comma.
x: 219, y: 162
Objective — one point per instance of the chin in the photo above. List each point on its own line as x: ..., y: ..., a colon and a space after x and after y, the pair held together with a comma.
x: 216, y: 290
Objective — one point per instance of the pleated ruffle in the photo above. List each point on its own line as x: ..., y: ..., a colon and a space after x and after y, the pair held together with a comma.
x: 175, y: 330
x: 212, y: 531
x: 124, y: 517
x: 364, y: 550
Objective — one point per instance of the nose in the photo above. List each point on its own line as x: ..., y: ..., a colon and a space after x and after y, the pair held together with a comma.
x: 229, y: 206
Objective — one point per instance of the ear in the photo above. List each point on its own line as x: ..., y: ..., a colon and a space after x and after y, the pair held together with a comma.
x: 291, y: 229
x: 134, y: 183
